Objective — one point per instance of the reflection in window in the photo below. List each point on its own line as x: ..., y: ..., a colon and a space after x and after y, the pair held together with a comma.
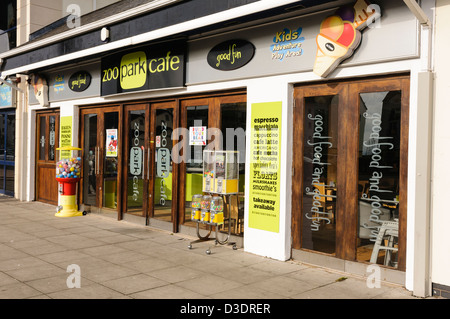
x: 320, y: 173
x: 136, y: 140
x: 197, y: 118
x: 234, y: 121
x: 162, y: 208
x: 378, y: 183
x: 51, y: 138
x: 2, y: 137
x: 42, y: 139
x: 111, y: 152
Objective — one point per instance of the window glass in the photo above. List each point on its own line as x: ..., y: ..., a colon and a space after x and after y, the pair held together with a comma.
x: 163, y: 161
x: 51, y: 138
x: 42, y: 137
x: 197, y: 119
x: 378, y: 183
x: 320, y: 174
x: 136, y: 141
x: 2, y: 137
x: 110, y: 159
x: 234, y: 122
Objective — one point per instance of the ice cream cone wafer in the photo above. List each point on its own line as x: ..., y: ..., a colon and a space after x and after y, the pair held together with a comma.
x: 324, y: 64
x: 329, y: 55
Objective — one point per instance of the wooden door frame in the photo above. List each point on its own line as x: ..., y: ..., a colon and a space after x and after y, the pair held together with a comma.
x: 100, y: 110
x: 214, y: 102
x: 124, y: 188
x: 47, y: 114
x: 175, y: 166
x: 348, y: 144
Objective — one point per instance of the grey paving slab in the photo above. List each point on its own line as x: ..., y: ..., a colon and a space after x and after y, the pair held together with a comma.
x: 135, y: 283
x: 168, y: 292
x: 209, y: 284
x: 177, y: 274
x: 120, y: 260
x: 18, y: 291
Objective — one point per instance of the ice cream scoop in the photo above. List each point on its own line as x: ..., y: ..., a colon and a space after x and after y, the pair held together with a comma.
x: 336, y: 42
x: 340, y: 35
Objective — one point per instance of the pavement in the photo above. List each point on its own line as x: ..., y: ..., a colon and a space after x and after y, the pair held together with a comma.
x: 94, y: 257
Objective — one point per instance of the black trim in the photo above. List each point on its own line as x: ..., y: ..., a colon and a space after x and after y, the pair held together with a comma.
x: 178, y: 13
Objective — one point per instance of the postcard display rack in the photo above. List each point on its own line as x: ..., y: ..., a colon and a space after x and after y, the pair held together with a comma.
x: 220, y: 180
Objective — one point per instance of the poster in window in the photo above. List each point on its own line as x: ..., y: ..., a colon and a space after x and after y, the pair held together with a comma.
x: 111, y: 143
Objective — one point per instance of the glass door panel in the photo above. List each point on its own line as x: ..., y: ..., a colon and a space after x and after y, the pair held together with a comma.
x: 320, y: 173
x: 233, y: 127
x: 101, y: 145
x: 197, y: 125
x: 110, y: 152
x: 136, y: 193
x: 163, y: 173
x: 379, y: 175
x: 90, y: 165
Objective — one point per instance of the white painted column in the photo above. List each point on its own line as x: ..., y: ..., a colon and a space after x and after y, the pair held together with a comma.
x: 261, y: 242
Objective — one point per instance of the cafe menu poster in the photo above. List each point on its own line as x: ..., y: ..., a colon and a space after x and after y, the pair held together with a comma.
x: 265, y: 151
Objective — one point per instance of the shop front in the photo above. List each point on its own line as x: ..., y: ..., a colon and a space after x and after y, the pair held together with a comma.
x: 321, y: 107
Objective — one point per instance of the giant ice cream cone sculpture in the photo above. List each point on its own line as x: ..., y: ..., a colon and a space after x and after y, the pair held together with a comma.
x: 340, y: 35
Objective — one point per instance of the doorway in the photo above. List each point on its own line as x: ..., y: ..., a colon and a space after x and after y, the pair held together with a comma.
x: 128, y: 168
x: 350, y: 164
x: 47, y: 139
x: 100, y: 132
x: 7, y: 151
x: 222, y: 119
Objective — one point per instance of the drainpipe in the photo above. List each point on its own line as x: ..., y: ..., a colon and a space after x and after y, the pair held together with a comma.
x: 422, y: 283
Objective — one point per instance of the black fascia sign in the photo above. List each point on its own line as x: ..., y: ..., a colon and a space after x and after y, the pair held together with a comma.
x: 79, y: 81
x: 231, y: 55
x: 145, y: 68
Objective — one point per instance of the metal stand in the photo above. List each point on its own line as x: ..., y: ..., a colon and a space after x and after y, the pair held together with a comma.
x: 216, y: 239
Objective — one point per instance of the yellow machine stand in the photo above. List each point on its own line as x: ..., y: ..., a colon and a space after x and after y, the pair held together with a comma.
x: 69, y: 207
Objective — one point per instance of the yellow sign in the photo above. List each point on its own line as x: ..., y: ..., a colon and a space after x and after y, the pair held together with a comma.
x: 265, y: 152
x: 66, y: 135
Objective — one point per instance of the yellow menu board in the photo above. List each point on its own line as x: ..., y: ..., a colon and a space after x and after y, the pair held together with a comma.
x: 66, y: 135
x: 265, y: 152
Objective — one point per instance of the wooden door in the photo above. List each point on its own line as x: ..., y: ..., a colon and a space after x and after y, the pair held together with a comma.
x: 163, y: 169
x: 212, y: 113
x: 350, y: 168
x: 47, y: 139
x: 101, y: 140
x: 136, y: 159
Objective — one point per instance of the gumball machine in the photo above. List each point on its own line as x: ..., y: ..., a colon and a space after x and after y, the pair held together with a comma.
x: 196, y: 207
x: 68, y: 174
x: 205, y: 206
x: 216, y: 216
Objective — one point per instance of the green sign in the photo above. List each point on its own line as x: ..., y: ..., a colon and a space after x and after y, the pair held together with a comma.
x: 265, y: 152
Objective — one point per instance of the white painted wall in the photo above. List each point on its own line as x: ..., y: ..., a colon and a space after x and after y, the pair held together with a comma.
x: 441, y: 169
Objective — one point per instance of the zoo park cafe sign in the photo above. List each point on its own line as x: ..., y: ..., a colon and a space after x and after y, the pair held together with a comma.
x: 146, y: 68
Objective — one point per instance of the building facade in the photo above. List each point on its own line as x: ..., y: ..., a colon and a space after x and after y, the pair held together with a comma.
x: 326, y: 106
